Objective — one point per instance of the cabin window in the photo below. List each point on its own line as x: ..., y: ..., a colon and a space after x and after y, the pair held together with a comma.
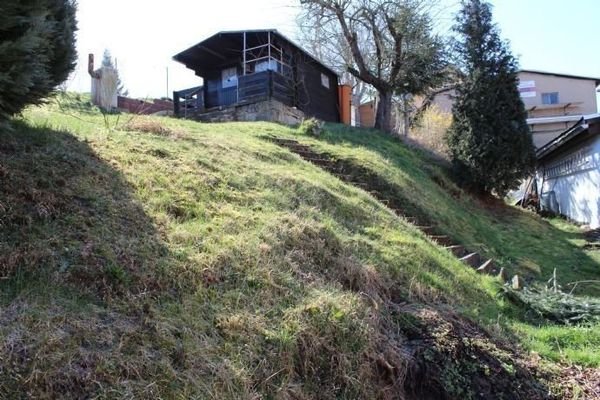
x: 325, y: 80
x: 550, y: 98
x: 272, y: 65
x: 229, y: 77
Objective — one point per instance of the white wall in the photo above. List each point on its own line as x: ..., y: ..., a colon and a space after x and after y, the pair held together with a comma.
x: 575, y: 181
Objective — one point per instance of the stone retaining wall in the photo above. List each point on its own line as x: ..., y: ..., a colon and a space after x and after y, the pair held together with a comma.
x: 267, y: 110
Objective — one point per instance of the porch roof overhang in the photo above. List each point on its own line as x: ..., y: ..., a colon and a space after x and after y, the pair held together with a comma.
x: 227, y: 47
x: 579, y: 130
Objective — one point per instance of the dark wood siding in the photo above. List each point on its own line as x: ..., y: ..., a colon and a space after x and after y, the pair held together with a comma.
x: 312, y: 97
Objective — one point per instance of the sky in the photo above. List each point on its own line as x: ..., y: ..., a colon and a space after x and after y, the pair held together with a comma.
x: 143, y: 35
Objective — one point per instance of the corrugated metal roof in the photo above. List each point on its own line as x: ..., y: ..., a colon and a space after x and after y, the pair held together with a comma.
x: 579, y: 128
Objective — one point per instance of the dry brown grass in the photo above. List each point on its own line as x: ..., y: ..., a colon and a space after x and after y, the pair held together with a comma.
x: 152, y: 125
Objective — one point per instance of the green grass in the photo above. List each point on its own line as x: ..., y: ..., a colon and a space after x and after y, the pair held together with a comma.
x: 207, y: 262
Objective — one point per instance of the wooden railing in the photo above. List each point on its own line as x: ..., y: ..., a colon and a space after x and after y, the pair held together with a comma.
x: 251, y: 88
x: 264, y: 85
x: 188, y: 102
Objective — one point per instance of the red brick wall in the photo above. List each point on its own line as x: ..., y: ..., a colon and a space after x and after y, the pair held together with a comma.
x: 143, y: 107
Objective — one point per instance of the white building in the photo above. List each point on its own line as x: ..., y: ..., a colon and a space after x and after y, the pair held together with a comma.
x: 568, y: 176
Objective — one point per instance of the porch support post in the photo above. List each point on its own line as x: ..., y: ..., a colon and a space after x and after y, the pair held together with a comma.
x: 269, y: 59
x: 245, y: 47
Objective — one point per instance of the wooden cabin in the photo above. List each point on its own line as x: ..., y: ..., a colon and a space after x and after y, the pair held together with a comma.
x: 256, y: 75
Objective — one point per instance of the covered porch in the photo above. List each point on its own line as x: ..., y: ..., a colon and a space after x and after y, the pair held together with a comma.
x: 237, y: 68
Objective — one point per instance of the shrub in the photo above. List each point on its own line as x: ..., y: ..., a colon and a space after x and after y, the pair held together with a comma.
x: 37, y: 51
x: 311, y: 127
x: 431, y: 130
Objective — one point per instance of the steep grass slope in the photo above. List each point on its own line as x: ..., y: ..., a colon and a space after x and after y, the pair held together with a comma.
x: 206, y: 262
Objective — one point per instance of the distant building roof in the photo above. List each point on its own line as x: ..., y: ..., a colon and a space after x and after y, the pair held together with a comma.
x: 588, y: 78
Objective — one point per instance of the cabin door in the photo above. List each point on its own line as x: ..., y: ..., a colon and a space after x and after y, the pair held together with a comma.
x: 229, y: 82
x: 229, y: 77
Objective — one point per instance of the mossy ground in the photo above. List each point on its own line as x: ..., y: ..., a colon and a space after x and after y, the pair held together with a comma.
x: 204, y: 261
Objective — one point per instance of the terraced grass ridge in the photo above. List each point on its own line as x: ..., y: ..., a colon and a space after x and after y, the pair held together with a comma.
x: 147, y: 257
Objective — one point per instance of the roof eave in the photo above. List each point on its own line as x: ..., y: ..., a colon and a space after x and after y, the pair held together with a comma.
x: 560, y: 141
x: 540, y: 72
x: 180, y: 56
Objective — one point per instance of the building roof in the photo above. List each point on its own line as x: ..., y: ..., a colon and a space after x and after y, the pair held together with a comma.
x: 581, y: 127
x: 554, y: 120
x: 588, y: 78
x: 225, y: 45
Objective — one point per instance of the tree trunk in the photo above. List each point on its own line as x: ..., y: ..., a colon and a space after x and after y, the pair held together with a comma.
x: 405, y: 114
x: 383, y: 119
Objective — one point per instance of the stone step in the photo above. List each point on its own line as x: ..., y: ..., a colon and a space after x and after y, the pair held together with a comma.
x: 298, y: 146
x: 442, y: 240
x: 398, y: 212
x: 429, y: 230
x: 318, y: 161
x: 487, y: 267
x: 286, y: 141
x: 458, y: 250
x: 503, y: 275
x: 473, y: 259
x: 308, y: 153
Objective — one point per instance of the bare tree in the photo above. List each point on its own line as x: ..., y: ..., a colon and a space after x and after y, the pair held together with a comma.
x: 386, y: 44
x: 326, y: 41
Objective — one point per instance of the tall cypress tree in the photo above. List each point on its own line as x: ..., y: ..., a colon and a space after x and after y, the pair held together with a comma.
x: 489, y: 140
x: 37, y: 50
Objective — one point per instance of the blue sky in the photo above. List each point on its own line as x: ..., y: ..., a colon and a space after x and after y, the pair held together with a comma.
x: 550, y: 35
x: 553, y: 35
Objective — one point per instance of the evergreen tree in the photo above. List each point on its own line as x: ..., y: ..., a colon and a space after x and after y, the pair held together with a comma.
x: 37, y: 50
x: 489, y: 139
x: 107, y: 61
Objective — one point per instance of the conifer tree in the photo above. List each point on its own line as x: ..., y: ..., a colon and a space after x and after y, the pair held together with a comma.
x: 37, y: 50
x: 489, y: 140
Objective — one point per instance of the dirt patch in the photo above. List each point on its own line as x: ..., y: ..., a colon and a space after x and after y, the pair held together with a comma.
x: 453, y: 357
x: 580, y: 383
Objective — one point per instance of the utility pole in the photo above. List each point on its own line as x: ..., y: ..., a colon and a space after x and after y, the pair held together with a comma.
x: 168, y: 83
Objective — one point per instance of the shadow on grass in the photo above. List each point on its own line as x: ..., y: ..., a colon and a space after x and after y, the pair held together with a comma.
x: 68, y: 218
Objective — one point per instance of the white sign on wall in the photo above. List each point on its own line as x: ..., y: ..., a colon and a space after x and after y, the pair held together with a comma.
x: 527, y: 88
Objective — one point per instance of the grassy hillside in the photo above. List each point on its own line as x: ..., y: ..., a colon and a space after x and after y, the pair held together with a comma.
x: 204, y: 261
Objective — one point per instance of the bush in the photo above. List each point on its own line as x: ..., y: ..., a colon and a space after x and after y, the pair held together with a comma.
x: 431, y: 130
x: 311, y: 127
x: 37, y: 51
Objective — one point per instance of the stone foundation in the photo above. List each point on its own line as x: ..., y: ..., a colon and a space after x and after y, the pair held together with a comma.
x: 266, y: 110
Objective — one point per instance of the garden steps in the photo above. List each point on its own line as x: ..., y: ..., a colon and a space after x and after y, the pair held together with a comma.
x: 472, y: 259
